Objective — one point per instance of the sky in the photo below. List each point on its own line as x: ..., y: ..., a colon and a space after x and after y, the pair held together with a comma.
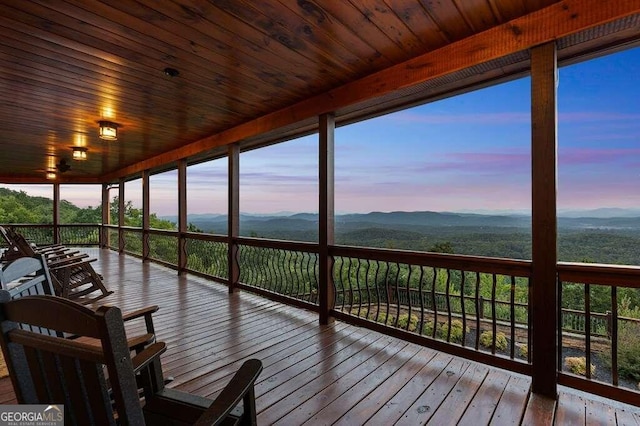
x: 470, y: 152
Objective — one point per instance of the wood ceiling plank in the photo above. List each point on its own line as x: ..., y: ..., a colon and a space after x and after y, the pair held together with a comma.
x: 183, y: 45
x: 204, y: 31
x: 477, y: 13
x: 76, y: 107
x: 351, y: 17
x: 510, y: 9
x: 117, y: 89
x: 448, y: 18
x: 152, y: 53
x: 316, y: 75
x: 558, y: 20
x: 50, y: 50
x: 421, y: 24
x: 380, y: 15
x: 308, y: 37
x: 314, y: 14
x: 278, y: 31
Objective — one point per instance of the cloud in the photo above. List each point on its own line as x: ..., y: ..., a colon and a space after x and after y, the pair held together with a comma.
x: 506, y: 117
x: 592, y: 116
x: 274, y: 178
x: 583, y: 156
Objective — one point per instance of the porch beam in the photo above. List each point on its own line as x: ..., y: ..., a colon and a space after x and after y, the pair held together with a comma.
x: 548, y: 24
x: 182, y: 216
x: 106, y: 217
x: 56, y: 213
x: 121, y: 196
x: 146, y: 212
x: 326, y: 231
x: 233, y: 215
x: 544, y: 297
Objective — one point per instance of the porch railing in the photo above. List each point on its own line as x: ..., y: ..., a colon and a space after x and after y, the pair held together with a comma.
x: 603, y: 359
x: 76, y: 234
x: 283, y: 268
x: 473, y: 306
x: 476, y: 306
x: 207, y: 255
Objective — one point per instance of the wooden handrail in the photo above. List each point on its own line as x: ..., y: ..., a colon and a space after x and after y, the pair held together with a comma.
x: 278, y: 244
x: 593, y: 273
x: 217, y: 238
x: 490, y: 265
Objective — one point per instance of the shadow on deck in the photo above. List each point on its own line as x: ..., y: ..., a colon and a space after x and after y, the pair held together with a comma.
x: 335, y: 374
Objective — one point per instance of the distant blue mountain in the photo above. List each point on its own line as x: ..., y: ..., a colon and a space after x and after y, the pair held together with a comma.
x: 417, y: 221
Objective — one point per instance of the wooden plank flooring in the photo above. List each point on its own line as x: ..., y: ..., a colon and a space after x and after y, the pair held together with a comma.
x: 320, y: 375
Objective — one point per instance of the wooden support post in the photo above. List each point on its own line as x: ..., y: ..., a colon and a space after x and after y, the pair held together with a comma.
x: 56, y: 213
x: 106, y: 217
x: 121, y: 245
x: 182, y: 216
x: 326, y: 291
x: 544, y: 295
x: 145, y: 215
x: 234, y: 216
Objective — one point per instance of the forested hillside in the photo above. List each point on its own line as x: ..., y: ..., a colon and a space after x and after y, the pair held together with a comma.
x: 19, y: 207
x: 581, y: 239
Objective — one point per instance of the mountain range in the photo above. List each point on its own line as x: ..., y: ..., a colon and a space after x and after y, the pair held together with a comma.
x: 602, y: 219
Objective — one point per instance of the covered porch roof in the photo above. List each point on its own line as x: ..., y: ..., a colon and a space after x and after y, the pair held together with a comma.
x: 253, y: 73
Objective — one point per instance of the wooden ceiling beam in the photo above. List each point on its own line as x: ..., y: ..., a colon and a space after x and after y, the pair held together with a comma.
x: 548, y: 24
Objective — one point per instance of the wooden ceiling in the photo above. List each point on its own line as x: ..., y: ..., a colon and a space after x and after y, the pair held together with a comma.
x: 247, y: 68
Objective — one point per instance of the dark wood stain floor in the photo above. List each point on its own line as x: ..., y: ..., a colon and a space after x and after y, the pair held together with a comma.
x: 321, y: 375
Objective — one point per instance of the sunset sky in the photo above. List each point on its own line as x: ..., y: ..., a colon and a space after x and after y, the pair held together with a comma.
x: 469, y: 152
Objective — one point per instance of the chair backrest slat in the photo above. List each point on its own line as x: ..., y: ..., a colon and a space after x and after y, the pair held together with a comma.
x: 97, y: 403
x: 40, y: 386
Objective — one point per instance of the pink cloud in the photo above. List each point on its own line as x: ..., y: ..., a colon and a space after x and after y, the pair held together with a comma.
x: 506, y: 117
x: 591, y: 116
x: 573, y: 156
x: 477, y: 162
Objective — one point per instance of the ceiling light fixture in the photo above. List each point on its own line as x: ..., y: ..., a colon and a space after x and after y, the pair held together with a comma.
x: 51, y: 175
x: 79, y: 153
x: 171, y: 72
x: 108, y: 130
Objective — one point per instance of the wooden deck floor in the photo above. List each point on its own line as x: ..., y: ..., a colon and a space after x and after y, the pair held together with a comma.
x: 336, y: 374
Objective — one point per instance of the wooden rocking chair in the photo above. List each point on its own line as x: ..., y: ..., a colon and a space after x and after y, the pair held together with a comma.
x: 72, y: 275
x: 99, y: 385
x: 29, y: 276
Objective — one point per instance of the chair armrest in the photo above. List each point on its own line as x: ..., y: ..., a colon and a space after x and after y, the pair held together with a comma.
x: 240, y: 386
x: 55, y: 254
x: 68, y: 262
x: 150, y: 354
x: 145, y: 312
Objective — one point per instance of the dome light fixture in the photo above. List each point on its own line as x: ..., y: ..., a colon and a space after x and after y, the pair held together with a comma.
x: 108, y: 130
x: 51, y: 175
x: 79, y: 153
x: 171, y: 72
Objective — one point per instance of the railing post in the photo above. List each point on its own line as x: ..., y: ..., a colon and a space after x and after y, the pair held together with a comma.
x: 145, y: 215
x: 544, y: 296
x: 326, y: 239
x: 56, y: 213
x: 121, y: 245
x: 106, y: 217
x: 233, y: 215
x: 182, y: 216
